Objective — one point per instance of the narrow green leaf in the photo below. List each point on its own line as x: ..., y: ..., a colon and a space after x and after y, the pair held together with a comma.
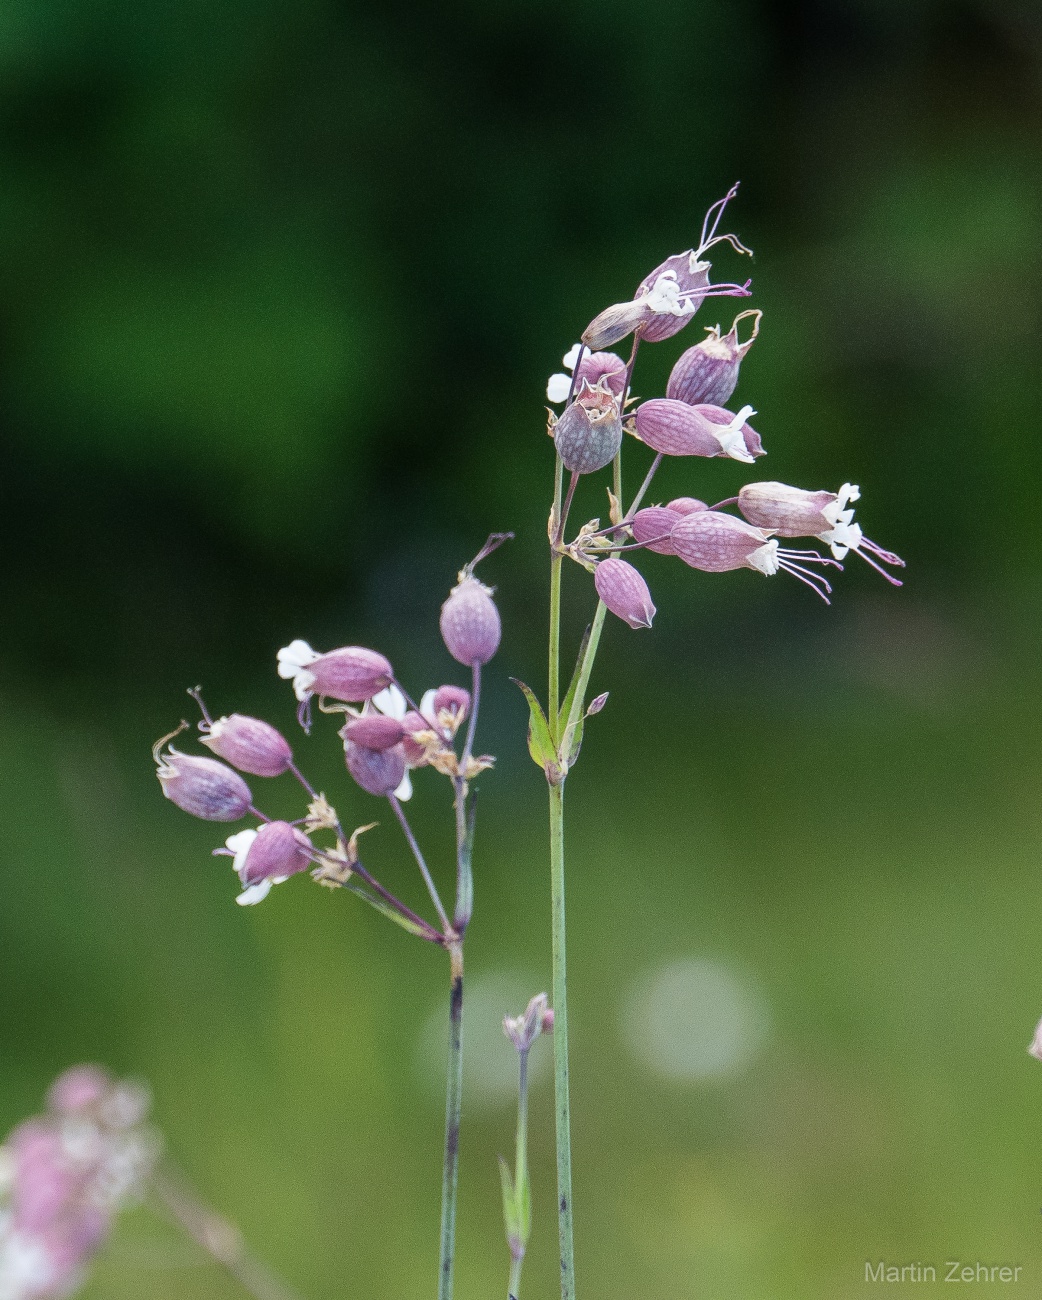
x: 374, y: 900
x: 510, y: 1215
x: 540, y: 742
x: 566, y: 707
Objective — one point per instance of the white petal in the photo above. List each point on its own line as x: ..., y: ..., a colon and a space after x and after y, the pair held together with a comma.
x: 240, y: 846
x: 302, y: 684
x: 291, y: 658
x: 391, y: 702
x: 427, y: 704
x: 254, y: 893
x: 571, y: 356
x: 765, y: 558
x: 558, y: 387
x: 404, y: 791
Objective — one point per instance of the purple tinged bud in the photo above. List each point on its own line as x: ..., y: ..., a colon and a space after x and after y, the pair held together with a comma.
x: 625, y: 592
x: 686, y: 505
x: 676, y: 429
x: 674, y: 291
x: 708, y: 372
x: 788, y: 511
x: 202, y: 786
x: 588, y: 434
x: 597, y: 703
x: 373, y: 732
x: 596, y: 367
x: 453, y: 700
x: 278, y: 850
x: 351, y: 674
x: 523, y: 1030
x: 377, y: 771
x: 715, y: 543
x: 651, y: 527
x: 249, y: 744
x: 548, y: 1021
x: 470, y: 624
x: 415, y: 752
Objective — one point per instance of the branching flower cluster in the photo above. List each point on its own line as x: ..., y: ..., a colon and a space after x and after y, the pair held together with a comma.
x: 65, y: 1176
x: 691, y: 420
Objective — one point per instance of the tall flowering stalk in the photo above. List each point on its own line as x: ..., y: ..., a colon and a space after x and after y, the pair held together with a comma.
x: 386, y: 735
x: 692, y: 419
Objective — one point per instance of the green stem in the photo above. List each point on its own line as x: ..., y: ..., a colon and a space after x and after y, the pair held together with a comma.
x: 554, y: 692
x: 453, y: 1109
x: 514, y: 1286
x: 521, y: 1183
x: 560, y: 1000
x: 585, y: 669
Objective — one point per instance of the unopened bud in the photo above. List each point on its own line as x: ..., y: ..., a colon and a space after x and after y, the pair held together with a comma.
x: 453, y: 700
x: 523, y: 1030
x: 202, y: 786
x: 652, y: 526
x: 373, y: 732
x: 686, y: 505
x: 589, y: 433
x: 624, y: 591
x: 548, y: 1021
x: 377, y: 771
x: 415, y: 751
x: 613, y: 324
x: 602, y: 368
x: 351, y: 674
x: 250, y: 744
x: 708, y: 372
x: 470, y: 624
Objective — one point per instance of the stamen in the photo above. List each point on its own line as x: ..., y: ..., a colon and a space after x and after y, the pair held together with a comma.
x: 894, y: 582
x: 809, y: 581
x: 196, y: 692
x: 733, y: 240
x: 718, y: 208
x: 811, y: 557
x: 888, y: 557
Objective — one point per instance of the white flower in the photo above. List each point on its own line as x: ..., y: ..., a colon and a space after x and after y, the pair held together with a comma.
x: 559, y: 386
x: 765, y: 558
x: 731, y: 438
x: 239, y: 845
x: 844, y: 535
x: 293, y: 661
x: 664, y: 296
x: 254, y: 893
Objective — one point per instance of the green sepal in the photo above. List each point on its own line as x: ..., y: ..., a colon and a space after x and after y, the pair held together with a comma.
x: 573, y: 686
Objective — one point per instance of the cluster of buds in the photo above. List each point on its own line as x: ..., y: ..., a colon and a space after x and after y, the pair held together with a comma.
x: 536, y: 1019
x: 691, y: 420
x: 385, y: 734
x: 64, y: 1177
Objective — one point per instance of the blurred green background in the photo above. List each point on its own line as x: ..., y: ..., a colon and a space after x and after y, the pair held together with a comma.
x: 280, y: 290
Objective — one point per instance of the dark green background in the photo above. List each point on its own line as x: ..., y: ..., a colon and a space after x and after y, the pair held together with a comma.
x: 280, y: 289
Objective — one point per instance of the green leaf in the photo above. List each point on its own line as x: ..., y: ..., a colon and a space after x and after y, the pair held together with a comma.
x: 540, y: 743
x: 381, y: 906
x: 566, y: 707
x: 510, y: 1215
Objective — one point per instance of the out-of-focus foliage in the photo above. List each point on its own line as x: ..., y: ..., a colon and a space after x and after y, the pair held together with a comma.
x: 280, y: 289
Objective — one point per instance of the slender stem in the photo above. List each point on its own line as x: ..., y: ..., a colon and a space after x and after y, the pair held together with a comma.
x: 586, y: 667
x: 464, y: 820
x: 221, y: 1240
x: 518, y: 1248
x: 554, y: 690
x: 428, y: 880
x: 475, y: 704
x: 644, y: 486
x: 560, y: 1002
x: 453, y: 1110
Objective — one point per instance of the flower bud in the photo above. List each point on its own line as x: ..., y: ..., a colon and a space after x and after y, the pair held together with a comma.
x: 249, y: 744
x: 652, y: 526
x: 453, y: 700
x: 708, y: 372
x: 676, y: 429
x: 470, y: 625
x: 589, y: 433
x: 614, y: 323
x: 715, y: 543
x: 275, y: 851
x: 523, y: 1030
x: 686, y: 505
x: 373, y: 732
x: 202, y: 786
x: 351, y: 674
x: 624, y: 591
x: 604, y: 368
x: 377, y: 771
